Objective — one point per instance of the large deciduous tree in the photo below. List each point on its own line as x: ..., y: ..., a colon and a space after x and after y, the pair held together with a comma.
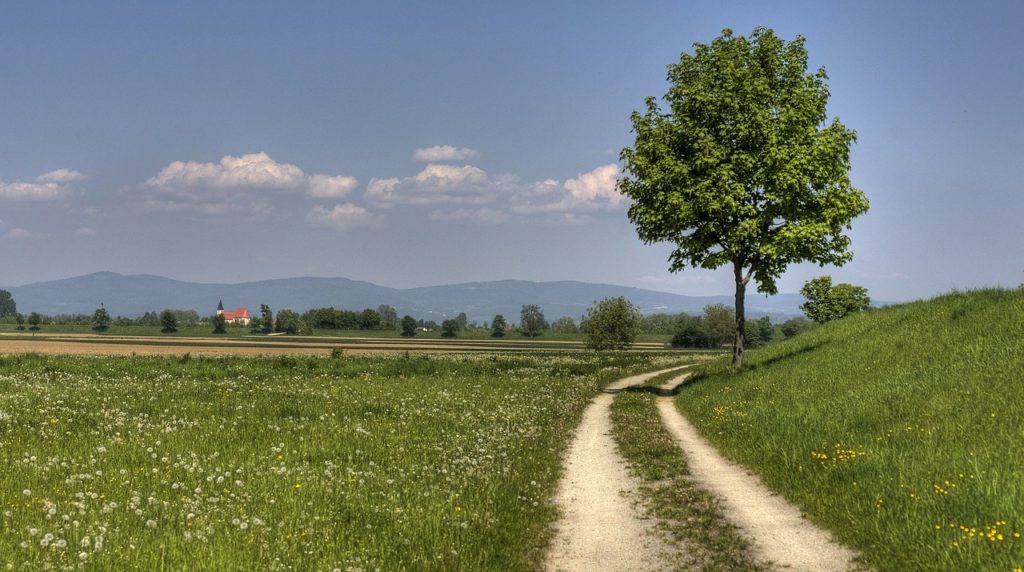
x: 743, y: 168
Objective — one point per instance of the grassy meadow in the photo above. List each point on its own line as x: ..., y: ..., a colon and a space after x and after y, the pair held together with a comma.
x: 442, y: 462
x: 901, y: 430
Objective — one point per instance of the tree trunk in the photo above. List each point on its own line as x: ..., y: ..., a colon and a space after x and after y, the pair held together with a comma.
x: 741, y: 325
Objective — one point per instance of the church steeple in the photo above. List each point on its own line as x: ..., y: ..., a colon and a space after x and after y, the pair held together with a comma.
x: 220, y: 306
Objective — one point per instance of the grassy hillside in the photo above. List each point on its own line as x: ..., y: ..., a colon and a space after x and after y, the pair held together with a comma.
x: 902, y: 429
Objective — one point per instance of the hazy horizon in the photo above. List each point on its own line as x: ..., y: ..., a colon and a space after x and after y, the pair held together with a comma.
x: 410, y: 145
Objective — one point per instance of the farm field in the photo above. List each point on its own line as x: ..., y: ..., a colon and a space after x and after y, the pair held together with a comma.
x: 204, y: 331
x: 901, y: 430
x: 393, y: 462
x: 94, y: 344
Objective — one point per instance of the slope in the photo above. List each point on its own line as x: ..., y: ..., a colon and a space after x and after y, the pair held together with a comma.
x: 901, y: 429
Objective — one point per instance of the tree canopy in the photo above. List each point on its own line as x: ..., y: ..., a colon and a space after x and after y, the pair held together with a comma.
x: 531, y: 321
x: 611, y: 324
x: 825, y: 302
x: 743, y: 169
x: 7, y: 305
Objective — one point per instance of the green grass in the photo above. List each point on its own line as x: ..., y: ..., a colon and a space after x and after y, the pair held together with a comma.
x: 426, y: 462
x: 689, y: 517
x: 901, y: 430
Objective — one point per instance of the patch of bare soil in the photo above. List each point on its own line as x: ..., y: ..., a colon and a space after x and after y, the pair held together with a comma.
x: 599, y: 528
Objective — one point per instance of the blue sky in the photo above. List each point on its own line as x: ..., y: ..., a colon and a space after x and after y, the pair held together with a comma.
x: 416, y: 143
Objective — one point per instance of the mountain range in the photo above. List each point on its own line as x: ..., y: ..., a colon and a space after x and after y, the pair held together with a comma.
x: 133, y: 295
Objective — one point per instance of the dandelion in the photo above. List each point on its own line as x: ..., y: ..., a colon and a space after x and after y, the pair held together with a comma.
x: 27, y: 492
x: 151, y: 523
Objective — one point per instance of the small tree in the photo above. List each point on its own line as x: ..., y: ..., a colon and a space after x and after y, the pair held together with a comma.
x: 450, y: 328
x: 498, y: 326
x: 611, y: 324
x: 564, y: 325
x: 7, y: 305
x: 369, y: 319
x: 794, y: 326
x: 719, y: 324
x: 826, y: 302
x: 168, y: 322
x: 408, y: 327
x: 20, y: 320
x: 462, y: 320
x: 220, y: 324
x: 101, y: 320
x: 388, y: 317
x: 266, y: 319
x: 531, y: 321
x: 289, y: 322
x: 34, y: 319
x: 690, y: 333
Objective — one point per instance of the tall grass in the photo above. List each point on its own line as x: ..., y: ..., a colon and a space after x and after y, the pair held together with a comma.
x: 426, y: 463
x: 902, y: 429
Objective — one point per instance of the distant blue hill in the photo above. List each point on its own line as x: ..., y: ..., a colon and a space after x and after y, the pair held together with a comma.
x: 133, y: 295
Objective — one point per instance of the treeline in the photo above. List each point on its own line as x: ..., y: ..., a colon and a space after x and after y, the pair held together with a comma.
x: 383, y: 318
x: 717, y: 326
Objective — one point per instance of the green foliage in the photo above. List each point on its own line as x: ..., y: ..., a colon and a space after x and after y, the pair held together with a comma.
x: 368, y: 320
x: 388, y: 317
x: 691, y: 334
x: 266, y: 322
x: 19, y: 319
x: 101, y: 320
x: 826, y: 302
x: 219, y: 324
x: 719, y: 323
x: 289, y: 322
x: 168, y: 322
x: 7, y: 305
x: 498, y: 326
x: 564, y: 325
x: 794, y: 326
x: 450, y: 328
x: 34, y: 319
x: 611, y: 324
x: 531, y: 321
x: 408, y: 326
x: 462, y: 320
x: 743, y: 169
x: 900, y: 429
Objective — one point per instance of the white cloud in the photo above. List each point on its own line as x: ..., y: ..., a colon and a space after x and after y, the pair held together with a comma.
x: 323, y: 186
x: 445, y: 153
x: 48, y: 186
x: 17, y: 234
x: 341, y: 217
x: 256, y: 170
x: 228, y: 186
x: 61, y: 176
x: 588, y: 192
x: 438, y: 184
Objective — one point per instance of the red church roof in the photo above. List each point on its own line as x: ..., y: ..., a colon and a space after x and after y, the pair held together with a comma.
x: 236, y: 314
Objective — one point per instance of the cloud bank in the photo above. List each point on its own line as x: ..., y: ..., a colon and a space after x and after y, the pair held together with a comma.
x: 441, y: 153
x: 237, y: 184
x: 46, y: 187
